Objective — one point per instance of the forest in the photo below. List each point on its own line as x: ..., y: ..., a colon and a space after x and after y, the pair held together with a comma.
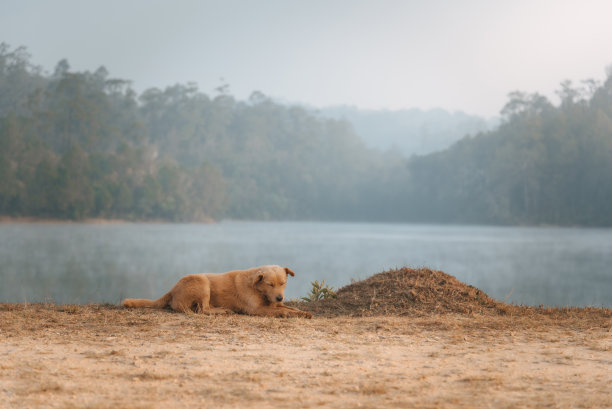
x: 78, y: 145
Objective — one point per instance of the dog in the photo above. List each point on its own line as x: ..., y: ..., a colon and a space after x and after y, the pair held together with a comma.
x: 257, y: 291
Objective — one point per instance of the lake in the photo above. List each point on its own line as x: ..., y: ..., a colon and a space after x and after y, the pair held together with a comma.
x: 82, y: 263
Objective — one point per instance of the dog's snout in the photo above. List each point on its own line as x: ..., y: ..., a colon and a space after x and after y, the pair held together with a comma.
x: 279, y: 298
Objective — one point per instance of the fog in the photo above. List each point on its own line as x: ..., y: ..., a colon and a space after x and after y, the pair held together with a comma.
x: 386, y: 54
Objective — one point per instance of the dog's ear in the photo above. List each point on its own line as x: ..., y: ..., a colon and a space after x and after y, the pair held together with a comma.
x: 289, y: 272
x: 258, y: 279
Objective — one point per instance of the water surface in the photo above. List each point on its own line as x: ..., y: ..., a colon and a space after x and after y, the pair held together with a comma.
x: 81, y: 263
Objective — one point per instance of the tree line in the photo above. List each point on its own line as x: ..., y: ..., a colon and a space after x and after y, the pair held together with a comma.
x: 544, y: 164
x: 78, y: 145
x: 81, y: 145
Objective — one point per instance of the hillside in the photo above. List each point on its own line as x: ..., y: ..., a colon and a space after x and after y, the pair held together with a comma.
x: 81, y: 145
x: 78, y: 145
x: 410, y: 132
x: 545, y: 164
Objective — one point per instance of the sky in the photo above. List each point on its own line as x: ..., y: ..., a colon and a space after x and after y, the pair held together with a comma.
x: 377, y: 54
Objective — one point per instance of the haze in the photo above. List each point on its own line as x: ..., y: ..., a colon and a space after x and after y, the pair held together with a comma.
x: 372, y: 54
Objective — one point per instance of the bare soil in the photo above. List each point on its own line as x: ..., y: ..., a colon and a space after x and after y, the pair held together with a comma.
x: 360, y: 350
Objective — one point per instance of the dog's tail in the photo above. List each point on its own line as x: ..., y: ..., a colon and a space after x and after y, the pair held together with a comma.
x: 141, y: 303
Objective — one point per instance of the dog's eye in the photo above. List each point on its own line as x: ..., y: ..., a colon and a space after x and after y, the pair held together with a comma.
x: 271, y: 285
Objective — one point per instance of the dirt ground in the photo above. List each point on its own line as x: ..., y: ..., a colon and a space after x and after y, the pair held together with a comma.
x: 98, y: 356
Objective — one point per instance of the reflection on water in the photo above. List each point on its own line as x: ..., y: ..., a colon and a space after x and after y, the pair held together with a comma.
x: 80, y: 263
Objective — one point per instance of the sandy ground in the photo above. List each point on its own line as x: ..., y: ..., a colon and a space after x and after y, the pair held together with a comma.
x: 106, y: 357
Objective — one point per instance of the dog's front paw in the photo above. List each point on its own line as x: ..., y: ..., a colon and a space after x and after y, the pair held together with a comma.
x: 283, y: 314
x: 304, y: 314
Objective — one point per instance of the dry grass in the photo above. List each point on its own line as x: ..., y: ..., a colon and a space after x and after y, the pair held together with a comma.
x: 406, y: 291
x: 406, y: 338
x: 426, y: 292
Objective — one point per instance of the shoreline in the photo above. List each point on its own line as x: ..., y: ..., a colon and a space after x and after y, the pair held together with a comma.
x: 45, y: 220
x: 91, y: 221
x: 102, y: 221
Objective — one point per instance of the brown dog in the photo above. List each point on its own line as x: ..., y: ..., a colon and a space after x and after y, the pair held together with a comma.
x: 258, y: 291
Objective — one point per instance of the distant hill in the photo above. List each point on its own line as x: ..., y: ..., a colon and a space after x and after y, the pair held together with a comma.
x: 410, y: 132
x: 78, y: 145
x: 544, y: 164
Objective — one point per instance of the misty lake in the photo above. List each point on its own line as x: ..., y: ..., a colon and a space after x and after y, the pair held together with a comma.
x: 82, y: 263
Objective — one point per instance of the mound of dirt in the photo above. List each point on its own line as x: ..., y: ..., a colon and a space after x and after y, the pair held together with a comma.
x: 406, y: 292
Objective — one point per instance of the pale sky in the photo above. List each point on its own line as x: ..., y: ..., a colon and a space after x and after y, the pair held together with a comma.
x: 376, y: 54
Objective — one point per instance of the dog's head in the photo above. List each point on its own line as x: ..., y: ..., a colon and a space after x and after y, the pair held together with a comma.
x: 271, y: 281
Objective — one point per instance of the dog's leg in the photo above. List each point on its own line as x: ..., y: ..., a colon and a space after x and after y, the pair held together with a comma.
x: 217, y: 311
x: 280, y: 312
x: 296, y: 311
x: 192, y: 293
x: 287, y: 307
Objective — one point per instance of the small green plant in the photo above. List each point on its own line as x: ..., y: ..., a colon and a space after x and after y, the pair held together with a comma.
x: 319, y: 291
